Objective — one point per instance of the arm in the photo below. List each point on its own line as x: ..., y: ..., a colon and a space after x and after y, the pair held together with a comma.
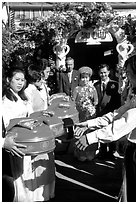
x: 74, y: 94
x: 60, y: 83
x: 11, y: 146
x: 117, y: 129
x: 95, y: 96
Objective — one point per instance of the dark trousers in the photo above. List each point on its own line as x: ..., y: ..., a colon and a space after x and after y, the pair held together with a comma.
x: 130, y: 167
x: 7, y: 179
x: 103, y: 147
x: 7, y: 189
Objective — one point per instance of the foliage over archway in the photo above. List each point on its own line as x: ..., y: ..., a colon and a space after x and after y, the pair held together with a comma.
x: 60, y: 23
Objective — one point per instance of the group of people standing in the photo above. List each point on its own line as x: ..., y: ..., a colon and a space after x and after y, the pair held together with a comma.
x: 26, y: 93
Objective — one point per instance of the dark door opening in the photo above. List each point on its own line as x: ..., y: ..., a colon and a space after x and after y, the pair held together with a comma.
x: 94, y: 55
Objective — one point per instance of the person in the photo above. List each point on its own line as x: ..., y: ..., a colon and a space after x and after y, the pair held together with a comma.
x: 8, y: 146
x: 37, y: 93
x: 108, y: 100
x: 69, y: 79
x: 15, y: 104
x: 85, y: 92
x: 113, y: 126
x: 86, y: 99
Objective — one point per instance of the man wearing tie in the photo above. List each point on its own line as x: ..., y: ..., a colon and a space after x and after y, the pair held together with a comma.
x: 108, y: 100
x: 69, y: 79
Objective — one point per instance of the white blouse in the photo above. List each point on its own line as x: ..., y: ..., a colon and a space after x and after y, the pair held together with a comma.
x: 38, y: 99
x: 14, y: 109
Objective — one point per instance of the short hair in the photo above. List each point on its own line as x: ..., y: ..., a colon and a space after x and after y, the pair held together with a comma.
x: 103, y: 66
x: 132, y: 61
x: 69, y: 59
x: 33, y: 74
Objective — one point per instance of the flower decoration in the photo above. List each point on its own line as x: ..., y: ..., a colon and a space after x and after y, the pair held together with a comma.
x: 16, y: 47
x: 86, y: 102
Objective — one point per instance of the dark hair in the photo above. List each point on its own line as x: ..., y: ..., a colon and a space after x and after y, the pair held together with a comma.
x: 44, y: 63
x: 33, y: 74
x: 103, y: 66
x: 69, y: 59
x: 132, y: 61
x: 7, y: 91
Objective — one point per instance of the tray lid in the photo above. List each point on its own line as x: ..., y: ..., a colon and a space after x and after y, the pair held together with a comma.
x: 30, y: 130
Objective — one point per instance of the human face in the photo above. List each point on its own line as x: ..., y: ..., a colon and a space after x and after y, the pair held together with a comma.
x: 104, y: 73
x: 38, y: 83
x: 85, y: 78
x: 17, y: 82
x: 131, y: 76
x: 46, y: 72
x: 69, y: 65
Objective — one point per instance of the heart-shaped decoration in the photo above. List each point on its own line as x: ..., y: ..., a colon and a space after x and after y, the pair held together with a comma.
x: 124, y: 49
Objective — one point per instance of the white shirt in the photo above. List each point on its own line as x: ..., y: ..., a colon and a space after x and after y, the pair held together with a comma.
x: 14, y: 109
x: 70, y: 76
x: 113, y: 126
x: 104, y: 83
x: 38, y: 99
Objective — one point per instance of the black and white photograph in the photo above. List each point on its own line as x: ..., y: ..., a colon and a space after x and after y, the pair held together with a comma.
x: 68, y: 106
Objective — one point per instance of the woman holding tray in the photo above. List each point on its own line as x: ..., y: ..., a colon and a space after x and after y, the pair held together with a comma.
x: 34, y: 176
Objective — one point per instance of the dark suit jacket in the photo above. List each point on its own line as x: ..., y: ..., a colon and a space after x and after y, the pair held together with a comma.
x: 110, y: 101
x: 65, y: 86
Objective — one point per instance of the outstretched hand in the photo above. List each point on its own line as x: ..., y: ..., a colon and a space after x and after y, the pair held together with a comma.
x: 11, y: 146
x: 82, y: 143
x: 78, y: 132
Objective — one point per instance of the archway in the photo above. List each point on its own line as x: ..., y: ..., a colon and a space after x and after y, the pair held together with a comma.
x: 94, y: 55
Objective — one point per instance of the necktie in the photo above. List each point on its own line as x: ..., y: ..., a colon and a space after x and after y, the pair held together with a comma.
x: 103, y: 88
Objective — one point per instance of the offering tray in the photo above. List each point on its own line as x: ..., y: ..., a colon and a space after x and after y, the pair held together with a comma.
x: 33, y: 133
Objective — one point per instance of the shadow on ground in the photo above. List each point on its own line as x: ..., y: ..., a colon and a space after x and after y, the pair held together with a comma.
x: 95, y: 181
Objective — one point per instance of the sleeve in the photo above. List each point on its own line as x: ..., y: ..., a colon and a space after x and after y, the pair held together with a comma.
x: 115, y: 130
x: 2, y: 142
x: 60, y: 83
x: 95, y: 96
x: 28, y: 93
x: 7, y: 112
x: 100, y: 122
x: 75, y: 94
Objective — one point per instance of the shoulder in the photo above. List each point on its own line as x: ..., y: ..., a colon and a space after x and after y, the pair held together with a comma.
x: 30, y: 88
x: 5, y: 100
x: 75, y: 71
x: 113, y: 81
x: 112, y: 84
x: 112, y: 87
x: 7, y: 103
x: 97, y: 83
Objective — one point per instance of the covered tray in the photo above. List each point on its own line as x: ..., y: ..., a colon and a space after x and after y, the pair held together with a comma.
x: 50, y: 119
x: 33, y: 133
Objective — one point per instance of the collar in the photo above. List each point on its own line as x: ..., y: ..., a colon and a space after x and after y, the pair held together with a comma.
x: 105, y: 82
x: 16, y: 94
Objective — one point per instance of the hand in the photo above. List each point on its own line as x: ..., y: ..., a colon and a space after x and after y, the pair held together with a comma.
x: 82, y: 143
x: 11, y: 146
x: 78, y: 132
x: 83, y: 124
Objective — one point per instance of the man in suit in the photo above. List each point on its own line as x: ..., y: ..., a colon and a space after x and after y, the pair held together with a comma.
x: 108, y: 100
x: 69, y: 79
